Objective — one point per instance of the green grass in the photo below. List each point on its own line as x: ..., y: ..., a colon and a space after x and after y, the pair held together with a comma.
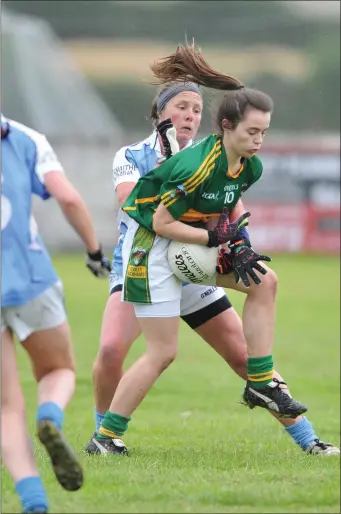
x: 193, y: 447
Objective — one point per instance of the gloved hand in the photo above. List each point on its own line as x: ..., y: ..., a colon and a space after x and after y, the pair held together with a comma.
x: 168, y: 135
x: 244, y: 261
x: 225, y: 231
x: 98, y: 264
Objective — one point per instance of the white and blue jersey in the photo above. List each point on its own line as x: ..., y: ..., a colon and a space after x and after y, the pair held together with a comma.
x: 130, y: 163
x: 26, y: 267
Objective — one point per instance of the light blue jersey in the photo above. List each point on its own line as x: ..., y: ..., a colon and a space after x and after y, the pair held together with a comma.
x: 26, y: 267
x: 130, y: 163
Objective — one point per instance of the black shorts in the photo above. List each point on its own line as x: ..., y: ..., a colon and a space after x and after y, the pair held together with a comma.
x: 198, y: 318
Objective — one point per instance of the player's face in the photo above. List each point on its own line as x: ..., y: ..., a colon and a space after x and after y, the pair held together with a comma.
x: 247, y: 138
x: 185, y: 111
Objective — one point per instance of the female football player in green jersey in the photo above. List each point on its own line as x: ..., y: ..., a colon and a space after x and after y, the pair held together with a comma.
x: 176, y: 112
x: 194, y: 187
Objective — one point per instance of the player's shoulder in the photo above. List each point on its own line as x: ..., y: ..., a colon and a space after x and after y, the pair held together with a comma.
x: 255, y: 166
x: 149, y: 142
x: 127, y: 160
x: 27, y: 134
x: 205, y: 145
x: 198, y: 152
x: 36, y: 148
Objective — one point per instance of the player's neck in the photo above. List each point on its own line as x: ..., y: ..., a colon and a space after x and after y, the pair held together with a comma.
x: 182, y: 144
x: 234, y: 161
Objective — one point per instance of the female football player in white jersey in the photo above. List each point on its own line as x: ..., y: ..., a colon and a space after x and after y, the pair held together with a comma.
x: 207, y: 310
x: 32, y: 308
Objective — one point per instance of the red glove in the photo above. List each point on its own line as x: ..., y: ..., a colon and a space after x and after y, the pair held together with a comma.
x: 225, y: 231
x: 224, y: 262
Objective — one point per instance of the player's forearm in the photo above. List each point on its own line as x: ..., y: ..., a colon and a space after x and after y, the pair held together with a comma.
x: 181, y: 232
x: 123, y: 191
x: 237, y: 211
x: 78, y: 216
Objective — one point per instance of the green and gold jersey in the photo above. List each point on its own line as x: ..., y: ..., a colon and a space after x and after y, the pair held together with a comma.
x: 194, y: 185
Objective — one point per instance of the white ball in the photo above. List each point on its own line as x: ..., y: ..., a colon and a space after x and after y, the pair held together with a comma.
x: 193, y: 263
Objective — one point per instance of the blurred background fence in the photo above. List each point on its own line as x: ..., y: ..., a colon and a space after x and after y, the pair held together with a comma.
x: 78, y: 72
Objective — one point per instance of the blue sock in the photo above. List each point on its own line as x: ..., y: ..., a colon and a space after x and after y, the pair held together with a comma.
x: 51, y: 411
x: 32, y: 494
x: 302, y: 433
x: 98, y: 419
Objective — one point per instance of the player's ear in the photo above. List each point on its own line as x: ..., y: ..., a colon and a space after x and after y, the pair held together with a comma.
x: 226, y: 125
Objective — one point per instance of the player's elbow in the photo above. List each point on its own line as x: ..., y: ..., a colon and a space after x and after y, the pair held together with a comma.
x: 161, y: 228
x: 162, y: 221
x: 69, y: 200
x: 62, y: 190
x: 158, y: 225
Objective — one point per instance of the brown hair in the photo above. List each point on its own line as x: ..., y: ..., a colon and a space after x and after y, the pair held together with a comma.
x: 187, y: 64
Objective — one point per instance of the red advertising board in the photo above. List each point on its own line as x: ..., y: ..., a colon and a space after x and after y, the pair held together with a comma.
x: 312, y: 222
x: 295, y: 228
x: 322, y: 229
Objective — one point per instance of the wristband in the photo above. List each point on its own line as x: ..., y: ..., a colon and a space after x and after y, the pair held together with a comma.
x: 96, y: 256
x: 243, y: 233
x: 241, y: 236
x: 213, y: 239
x: 238, y: 243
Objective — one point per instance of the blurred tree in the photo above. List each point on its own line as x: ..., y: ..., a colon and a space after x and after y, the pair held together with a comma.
x: 325, y: 79
x: 231, y: 22
x: 130, y: 101
x: 313, y: 104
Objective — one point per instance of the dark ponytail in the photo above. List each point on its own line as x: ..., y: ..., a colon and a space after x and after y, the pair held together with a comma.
x: 187, y: 64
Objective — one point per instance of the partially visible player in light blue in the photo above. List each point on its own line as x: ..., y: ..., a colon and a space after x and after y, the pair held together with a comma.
x: 32, y: 308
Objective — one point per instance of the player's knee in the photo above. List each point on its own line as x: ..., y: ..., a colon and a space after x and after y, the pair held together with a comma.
x: 110, y: 356
x: 268, y: 288
x: 271, y: 281
x: 167, y: 360
x: 58, y: 362
x: 68, y: 362
x: 164, y: 358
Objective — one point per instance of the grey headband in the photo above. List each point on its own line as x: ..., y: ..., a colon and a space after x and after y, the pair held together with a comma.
x: 174, y: 90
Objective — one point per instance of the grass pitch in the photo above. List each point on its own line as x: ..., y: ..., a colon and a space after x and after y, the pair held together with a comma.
x: 193, y: 447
